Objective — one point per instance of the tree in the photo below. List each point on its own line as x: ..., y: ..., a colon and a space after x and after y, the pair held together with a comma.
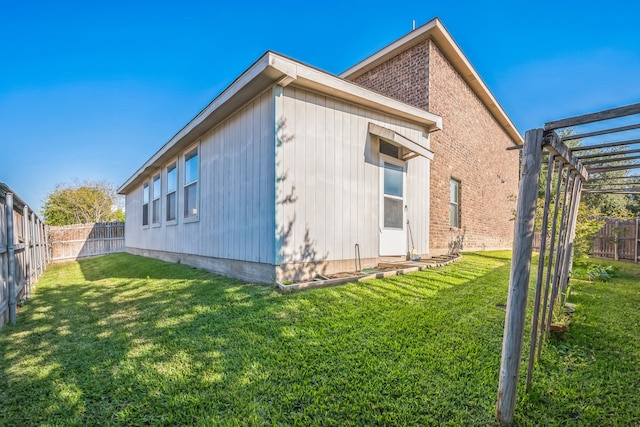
x: 81, y: 203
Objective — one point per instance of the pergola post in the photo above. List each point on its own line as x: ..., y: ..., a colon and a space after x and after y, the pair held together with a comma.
x: 552, y: 247
x: 541, y: 258
x: 519, y: 278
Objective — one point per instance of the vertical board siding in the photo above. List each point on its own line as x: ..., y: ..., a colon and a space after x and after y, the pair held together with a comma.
x: 327, y: 186
x: 331, y: 164
x: 236, y: 195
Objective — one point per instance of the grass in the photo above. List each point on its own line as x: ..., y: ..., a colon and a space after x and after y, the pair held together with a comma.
x: 125, y: 340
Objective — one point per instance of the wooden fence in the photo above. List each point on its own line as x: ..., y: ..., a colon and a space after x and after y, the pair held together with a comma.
x: 618, y: 240
x: 23, y: 252
x: 71, y: 242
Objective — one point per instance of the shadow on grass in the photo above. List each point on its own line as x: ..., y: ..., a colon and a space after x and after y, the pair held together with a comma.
x: 590, y: 376
x: 130, y: 340
x: 113, y: 267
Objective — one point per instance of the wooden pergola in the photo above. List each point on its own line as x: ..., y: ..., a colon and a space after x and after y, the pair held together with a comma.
x: 579, y: 170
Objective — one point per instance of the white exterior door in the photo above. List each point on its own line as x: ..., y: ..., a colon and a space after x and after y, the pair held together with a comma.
x: 393, y: 232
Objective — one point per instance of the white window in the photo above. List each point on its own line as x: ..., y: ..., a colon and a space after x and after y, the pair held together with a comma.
x: 172, y: 187
x: 145, y: 205
x: 454, y: 203
x: 191, y: 177
x: 155, y: 205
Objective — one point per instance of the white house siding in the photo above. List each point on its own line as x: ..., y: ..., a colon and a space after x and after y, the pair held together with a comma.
x: 236, y: 211
x: 330, y: 171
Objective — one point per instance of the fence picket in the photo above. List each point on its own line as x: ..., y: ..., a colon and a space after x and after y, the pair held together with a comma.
x: 21, y: 257
x: 617, y: 239
x: 71, y: 242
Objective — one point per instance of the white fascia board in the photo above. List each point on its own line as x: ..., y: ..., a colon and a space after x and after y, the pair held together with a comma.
x: 320, y: 81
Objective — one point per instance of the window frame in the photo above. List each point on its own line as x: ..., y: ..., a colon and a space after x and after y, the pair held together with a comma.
x: 145, y: 195
x: 156, y: 208
x: 455, y: 203
x: 185, y: 184
x: 171, y: 166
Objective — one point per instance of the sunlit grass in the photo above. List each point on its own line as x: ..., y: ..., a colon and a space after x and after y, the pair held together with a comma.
x: 125, y: 340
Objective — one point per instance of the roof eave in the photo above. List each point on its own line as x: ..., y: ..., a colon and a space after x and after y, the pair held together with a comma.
x: 272, y: 69
x: 254, y: 80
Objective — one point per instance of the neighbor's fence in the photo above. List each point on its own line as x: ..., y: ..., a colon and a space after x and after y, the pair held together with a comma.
x: 23, y: 252
x: 71, y: 242
x: 618, y: 240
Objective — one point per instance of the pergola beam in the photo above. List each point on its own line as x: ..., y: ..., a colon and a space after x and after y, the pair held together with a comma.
x: 584, y: 119
x: 597, y: 185
x: 600, y: 162
x: 613, y: 178
x: 628, y: 191
x: 606, y: 145
x: 613, y: 168
x: 600, y: 132
x: 609, y: 154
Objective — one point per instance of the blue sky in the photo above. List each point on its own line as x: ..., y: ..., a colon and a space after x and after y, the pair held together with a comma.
x: 90, y: 90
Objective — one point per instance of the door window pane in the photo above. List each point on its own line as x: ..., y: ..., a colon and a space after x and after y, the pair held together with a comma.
x: 392, y: 180
x: 392, y: 213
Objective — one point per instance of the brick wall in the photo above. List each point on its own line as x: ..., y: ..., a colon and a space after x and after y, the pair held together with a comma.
x: 402, y: 77
x: 471, y: 148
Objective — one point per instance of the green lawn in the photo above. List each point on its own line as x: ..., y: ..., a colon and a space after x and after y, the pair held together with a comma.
x: 126, y: 340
